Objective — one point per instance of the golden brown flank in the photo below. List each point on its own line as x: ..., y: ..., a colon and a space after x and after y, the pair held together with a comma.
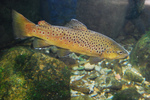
x: 73, y: 36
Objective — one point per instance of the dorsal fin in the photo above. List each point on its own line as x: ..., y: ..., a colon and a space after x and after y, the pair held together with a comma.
x: 44, y: 23
x: 75, y: 24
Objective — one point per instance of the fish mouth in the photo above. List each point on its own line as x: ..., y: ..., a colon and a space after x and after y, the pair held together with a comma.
x: 126, y: 55
x: 123, y: 56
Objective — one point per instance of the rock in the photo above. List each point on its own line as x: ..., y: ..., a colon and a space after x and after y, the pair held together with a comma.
x: 110, y: 66
x: 140, y: 56
x: 68, y: 61
x: 79, y: 85
x: 117, y: 77
x: 116, y: 85
x: 104, y: 82
x: 82, y: 59
x: 26, y: 74
x: 103, y: 64
x: 132, y: 76
x: 127, y: 94
x: 108, y: 79
x: 100, y: 82
x: 98, y: 68
x: 78, y: 72
x: 93, y: 76
x: 81, y: 68
x: 117, y: 67
x: 89, y: 67
x: 146, y: 72
x: 105, y: 71
x: 82, y: 97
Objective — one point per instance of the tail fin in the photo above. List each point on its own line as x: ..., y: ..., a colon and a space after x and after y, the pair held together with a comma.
x: 22, y: 26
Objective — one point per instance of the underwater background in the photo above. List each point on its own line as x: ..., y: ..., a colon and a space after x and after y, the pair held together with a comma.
x: 39, y: 74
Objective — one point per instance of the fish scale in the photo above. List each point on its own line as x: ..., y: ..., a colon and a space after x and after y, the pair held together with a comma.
x: 74, y: 36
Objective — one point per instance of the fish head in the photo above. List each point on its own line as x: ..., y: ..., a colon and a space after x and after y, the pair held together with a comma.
x: 115, y: 51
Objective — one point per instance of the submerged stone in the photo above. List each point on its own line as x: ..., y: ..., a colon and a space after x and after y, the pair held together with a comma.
x: 89, y: 67
x: 81, y: 68
x: 93, y: 76
x: 140, y: 56
x: 82, y: 97
x: 117, y: 67
x: 127, y: 94
x: 116, y: 85
x: 26, y: 74
x: 132, y: 76
x: 79, y: 85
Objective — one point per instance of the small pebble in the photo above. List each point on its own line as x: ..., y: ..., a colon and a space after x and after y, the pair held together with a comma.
x: 89, y: 67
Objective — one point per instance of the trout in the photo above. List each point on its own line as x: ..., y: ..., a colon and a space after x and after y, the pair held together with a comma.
x: 74, y: 36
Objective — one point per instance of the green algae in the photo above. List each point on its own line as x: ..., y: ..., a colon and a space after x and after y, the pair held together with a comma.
x: 148, y: 33
x: 130, y: 75
x: 82, y: 97
x: 1, y: 70
x: 146, y: 72
x: 140, y: 56
x: 26, y: 74
x: 116, y: 85
x: 127, y: 94
x: 12, y: 85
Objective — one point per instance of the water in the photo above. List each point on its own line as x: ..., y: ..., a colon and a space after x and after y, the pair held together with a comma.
x: 25, y: 70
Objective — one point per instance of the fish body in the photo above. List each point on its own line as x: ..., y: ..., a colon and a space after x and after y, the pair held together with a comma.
x: 74, y: 36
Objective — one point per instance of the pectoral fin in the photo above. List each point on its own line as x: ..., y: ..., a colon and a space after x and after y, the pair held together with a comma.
x: 63, y: 53
x: 39, y: 43
x: 95, y: 60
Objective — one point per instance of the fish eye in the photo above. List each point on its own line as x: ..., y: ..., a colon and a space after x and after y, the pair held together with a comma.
x: 120, y: 52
